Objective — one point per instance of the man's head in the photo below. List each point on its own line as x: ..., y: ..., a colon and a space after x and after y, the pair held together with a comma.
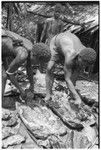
x: 87, y: 57
x: 57, y: 10
x: 40, y: 55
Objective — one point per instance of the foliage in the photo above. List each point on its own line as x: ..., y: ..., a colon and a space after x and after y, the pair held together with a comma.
x: 20, y: 21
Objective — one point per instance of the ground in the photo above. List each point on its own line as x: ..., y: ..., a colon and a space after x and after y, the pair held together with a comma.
x: 56, y: 125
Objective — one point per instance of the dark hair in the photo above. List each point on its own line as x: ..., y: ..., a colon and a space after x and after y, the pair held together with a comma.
x: 88, y: 54
x: 41, y: 51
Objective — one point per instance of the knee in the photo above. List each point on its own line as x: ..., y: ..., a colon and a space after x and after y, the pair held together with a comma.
x: 22, y: 54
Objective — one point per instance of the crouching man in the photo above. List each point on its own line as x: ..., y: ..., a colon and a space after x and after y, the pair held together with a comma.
x: 15, y: 51
x: 67, y: 48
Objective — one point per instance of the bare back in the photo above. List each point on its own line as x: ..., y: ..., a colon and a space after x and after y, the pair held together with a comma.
x: 54, y: 27
x: 67, y: 43
x: 7, y: 47
x: 26, y: 43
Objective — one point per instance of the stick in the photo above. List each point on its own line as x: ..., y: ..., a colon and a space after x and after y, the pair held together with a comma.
x: 30, y: 134
x: 38, y: 14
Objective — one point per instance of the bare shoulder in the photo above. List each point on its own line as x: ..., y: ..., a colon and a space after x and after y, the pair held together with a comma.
x: 64, y: 37
x: 68, y: 36
x: 27, y: 43
x: 50, y: 19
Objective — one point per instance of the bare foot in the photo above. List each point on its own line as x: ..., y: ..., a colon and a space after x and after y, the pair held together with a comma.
x: 29, y: 94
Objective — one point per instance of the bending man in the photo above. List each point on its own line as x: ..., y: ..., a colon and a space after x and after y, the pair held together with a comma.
x: 18, y: 50
x: 67, y: 48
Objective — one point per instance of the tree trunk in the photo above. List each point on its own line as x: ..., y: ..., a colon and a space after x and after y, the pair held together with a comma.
x: 9, y: 16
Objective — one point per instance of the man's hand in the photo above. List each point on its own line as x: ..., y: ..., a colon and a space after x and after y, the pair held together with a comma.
x: 47, y: 98
x: 25, y: 95
x: 29, y: 94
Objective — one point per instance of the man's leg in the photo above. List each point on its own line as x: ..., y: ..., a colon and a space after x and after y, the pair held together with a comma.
x: 49, y: 79
x: 30, y: 73
x: 50, y: 69
x: 12, y: 35
x: 4, y: 79
x: 75, y: 75
x: 15, y: 64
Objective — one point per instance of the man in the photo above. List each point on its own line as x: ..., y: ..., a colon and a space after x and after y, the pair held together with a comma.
x: 67, y: 48
x: 54, y: 25
x: 18, y: 49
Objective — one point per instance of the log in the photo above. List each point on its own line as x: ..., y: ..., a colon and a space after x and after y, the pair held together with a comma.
x: 34, y: 13
x: 41, y: 121
x: 70, y: 124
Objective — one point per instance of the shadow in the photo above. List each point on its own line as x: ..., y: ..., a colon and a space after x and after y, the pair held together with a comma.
x: 8, y: 102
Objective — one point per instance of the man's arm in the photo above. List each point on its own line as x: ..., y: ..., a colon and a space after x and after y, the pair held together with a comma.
x: 44, y: 31
x: 68, y: 6
x: 61, y: 27
x: 11, y: 35
x: 68, y: 71
x: 14, y: 65
x: 12, y: 78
